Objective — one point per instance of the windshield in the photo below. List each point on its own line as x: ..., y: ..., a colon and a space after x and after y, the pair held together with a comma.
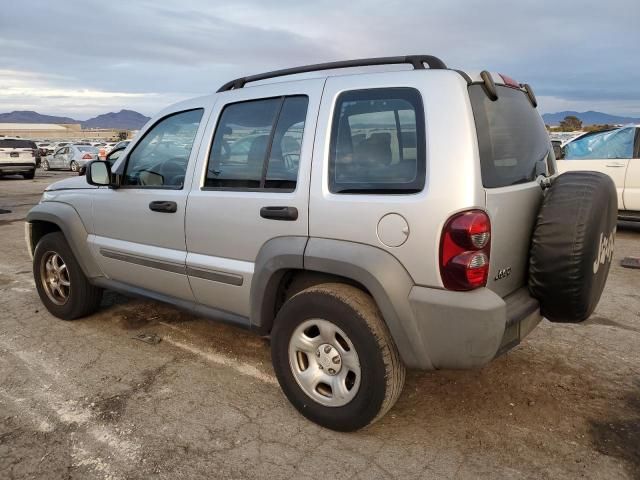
x: 513, y: 142
x: 610, y: 144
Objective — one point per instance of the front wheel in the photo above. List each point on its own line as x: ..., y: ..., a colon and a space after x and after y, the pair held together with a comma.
x: 74, y: 166
x: 334, y: 357
x: 62, y: 286
x: 44, y: 165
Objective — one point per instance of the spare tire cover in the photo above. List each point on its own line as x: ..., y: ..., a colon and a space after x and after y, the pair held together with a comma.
x: 572, y: 245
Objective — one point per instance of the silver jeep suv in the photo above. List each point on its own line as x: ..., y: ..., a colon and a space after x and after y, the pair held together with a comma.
x: 366, y: 221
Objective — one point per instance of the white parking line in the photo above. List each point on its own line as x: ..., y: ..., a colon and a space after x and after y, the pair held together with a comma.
x: 240, y: 367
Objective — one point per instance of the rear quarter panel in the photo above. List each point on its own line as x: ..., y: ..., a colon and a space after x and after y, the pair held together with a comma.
x: 452, y: 178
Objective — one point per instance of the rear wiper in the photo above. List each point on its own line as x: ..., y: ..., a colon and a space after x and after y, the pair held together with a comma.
x: 540, y: 167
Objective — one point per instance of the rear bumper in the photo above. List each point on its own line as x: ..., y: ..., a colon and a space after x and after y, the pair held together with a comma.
x: 14, y: 167
x: 469, y: 329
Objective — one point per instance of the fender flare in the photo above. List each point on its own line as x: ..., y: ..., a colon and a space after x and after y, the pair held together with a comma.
x: 377, y: 270
x: 275, y: 258
x: 69, y: 222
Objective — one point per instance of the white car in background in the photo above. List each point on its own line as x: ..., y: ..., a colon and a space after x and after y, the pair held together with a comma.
x: 615, y: 152
x: 17, y: 155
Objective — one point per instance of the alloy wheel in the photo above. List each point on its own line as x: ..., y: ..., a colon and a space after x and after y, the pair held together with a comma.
x: 54, y: 276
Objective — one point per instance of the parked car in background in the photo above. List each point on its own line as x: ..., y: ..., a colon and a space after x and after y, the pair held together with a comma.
x: 46, y: 148
x: 110, y: 158
x: 109, y: 146
x: 71, y: 157
x: 102, y: 153
x: 18, y: 155
x: 615, y: 152
x: 122, y: 143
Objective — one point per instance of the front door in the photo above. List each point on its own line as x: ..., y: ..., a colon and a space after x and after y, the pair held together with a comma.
x: 252, y: 185
x: 606, y: 152
x: 138, y: 235
x: 58, y: 159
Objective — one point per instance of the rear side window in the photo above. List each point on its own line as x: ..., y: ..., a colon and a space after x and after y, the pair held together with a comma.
x: 257, y: 144
x: 512, y: 140
x: 378, y: 142
x: 17, y: 143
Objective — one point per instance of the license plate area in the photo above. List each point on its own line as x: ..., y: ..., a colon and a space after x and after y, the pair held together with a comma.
x: 14, y: 154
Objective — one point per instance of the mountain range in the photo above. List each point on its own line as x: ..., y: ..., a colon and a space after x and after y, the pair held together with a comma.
x: 588, y: 118
x: 124, y: 119
x: 131, y: 120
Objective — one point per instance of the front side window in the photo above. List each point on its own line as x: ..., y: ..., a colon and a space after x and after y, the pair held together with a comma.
x: 603, y: 145
x: 378, y: 142
x: 257, y: 144
x: 160, y: 159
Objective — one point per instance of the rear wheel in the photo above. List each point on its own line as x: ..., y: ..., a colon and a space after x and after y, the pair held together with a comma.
x: 30, y: 174
x: 334, y: 357
x: 74, y: 166
x: 44, y: 165
x: 61, y: 284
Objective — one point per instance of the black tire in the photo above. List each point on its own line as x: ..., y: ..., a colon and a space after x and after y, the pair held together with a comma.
x: 572, y: 245
x: 83, y: 298
x: 44, y: 165
x: 30, y: 174
x: 382, y: 371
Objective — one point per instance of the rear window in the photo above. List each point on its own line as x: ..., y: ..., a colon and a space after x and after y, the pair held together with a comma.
x: 513, y: 142
x: 11, y: 143
x: 88, y: 149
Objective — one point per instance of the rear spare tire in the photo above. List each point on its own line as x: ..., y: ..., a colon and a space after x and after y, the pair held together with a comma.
x: 572, y: 245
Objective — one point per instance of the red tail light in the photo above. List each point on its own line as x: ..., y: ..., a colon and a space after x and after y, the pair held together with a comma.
x: 464, y: 250
x: 87, y: 156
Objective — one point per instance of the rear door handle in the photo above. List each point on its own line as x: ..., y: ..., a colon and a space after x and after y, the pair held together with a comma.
x: 279, y: 213
x: 616, y: 165
x: 163, y: 206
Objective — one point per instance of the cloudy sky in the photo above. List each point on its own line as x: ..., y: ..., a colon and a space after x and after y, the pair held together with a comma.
x: 83, y: 57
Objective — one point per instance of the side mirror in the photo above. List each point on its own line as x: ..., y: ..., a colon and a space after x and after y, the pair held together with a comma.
x: 98, y: 173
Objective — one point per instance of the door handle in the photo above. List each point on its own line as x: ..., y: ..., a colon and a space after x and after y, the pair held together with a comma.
x: 163, y: 206
x: 615, y: 165
x: 279, y: 213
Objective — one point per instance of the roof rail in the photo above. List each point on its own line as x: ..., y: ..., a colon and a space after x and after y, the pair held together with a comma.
x: 417, y: 61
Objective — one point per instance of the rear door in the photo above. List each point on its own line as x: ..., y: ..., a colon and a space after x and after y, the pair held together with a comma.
x: 514, y: 150
x: 607, y: 152
x: 57, y: 159
x: 252, y: 185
